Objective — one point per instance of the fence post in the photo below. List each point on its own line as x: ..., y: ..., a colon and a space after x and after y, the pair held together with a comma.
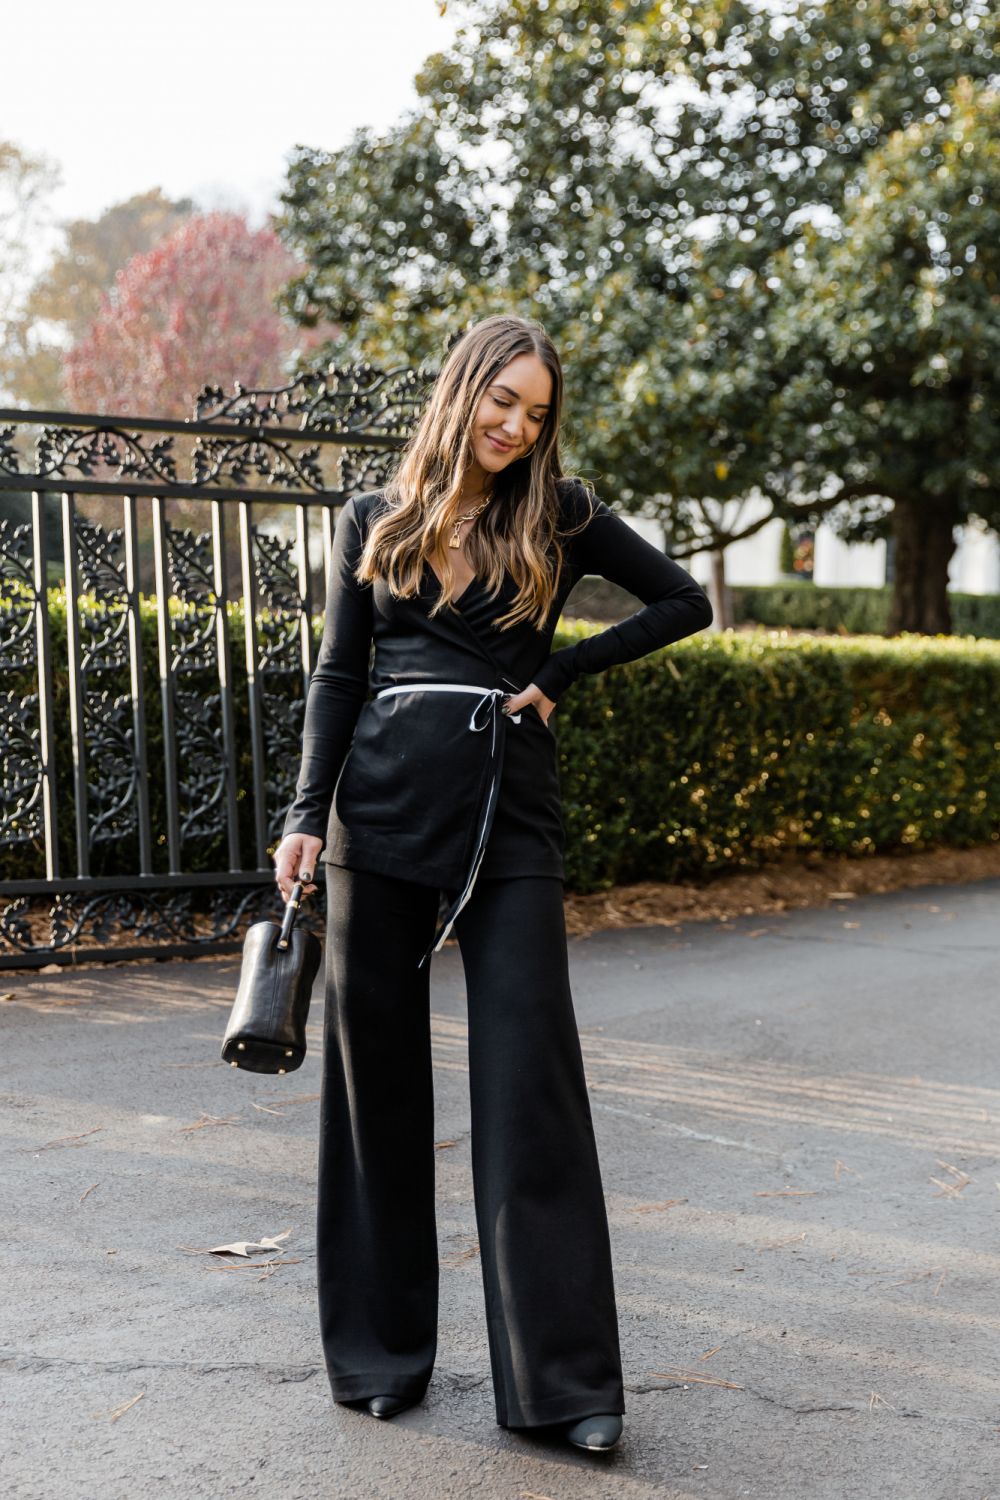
x: 162, y: 566
x: 253, y: 684
x: 224, y: 661
x: 76, y: 710
x: 137, y: 687
x: 46, y: 726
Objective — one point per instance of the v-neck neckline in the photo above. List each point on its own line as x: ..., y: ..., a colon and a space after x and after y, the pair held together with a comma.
x: 456, y: 599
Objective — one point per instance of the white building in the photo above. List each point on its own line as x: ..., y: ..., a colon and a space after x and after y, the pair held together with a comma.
x: 974, y: 568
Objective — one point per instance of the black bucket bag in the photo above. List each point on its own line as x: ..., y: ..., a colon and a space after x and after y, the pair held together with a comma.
x: 267, y: 1029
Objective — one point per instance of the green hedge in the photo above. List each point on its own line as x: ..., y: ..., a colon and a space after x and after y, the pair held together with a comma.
x: 806, y: 606
x: 714, y: 755
x: 730, y: 749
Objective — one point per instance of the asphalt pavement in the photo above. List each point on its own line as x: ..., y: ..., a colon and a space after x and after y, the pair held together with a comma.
x: 799, y: 1126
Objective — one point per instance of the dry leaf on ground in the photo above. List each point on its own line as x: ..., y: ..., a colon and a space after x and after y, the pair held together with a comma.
x: 242, y: 1247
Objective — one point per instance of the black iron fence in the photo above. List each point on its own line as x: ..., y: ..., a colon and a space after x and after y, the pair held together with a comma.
x: 155, y: 654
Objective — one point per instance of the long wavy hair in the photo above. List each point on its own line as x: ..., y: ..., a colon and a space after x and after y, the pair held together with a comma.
x: 518, y: 531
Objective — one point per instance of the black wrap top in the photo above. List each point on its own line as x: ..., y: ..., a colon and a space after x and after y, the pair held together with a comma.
x: 396, y: 784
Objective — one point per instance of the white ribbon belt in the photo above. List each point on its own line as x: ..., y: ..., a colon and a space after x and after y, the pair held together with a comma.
x: 485, y: 695
x: 492, y: 697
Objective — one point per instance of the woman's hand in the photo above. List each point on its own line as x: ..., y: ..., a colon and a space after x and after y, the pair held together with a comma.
x: 531, y: 694
x: 296, y: 852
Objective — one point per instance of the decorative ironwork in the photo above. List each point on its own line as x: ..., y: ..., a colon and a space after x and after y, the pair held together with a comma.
x: 365, y: 469
x: 354, y: 401
x: 88, y: 452
x: 21, y: 767
x: 201, y: 753
x: 315, y: 442
x: 17, y: 599
x: 23, y: 774
x: 279, y: 631
x: 109, y: 729
x: 132, y: 918
x: 218, y: 459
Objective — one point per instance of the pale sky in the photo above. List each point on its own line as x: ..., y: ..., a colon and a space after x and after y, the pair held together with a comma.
x: 204, y: 98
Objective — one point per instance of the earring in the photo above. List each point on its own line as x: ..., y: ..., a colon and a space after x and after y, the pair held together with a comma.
x: 529, y: 451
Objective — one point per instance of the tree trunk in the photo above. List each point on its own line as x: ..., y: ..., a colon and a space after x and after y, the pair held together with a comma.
x: 722, y: 605
x: 924, y: 533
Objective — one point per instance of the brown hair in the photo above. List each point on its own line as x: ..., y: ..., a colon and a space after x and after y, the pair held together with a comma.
x: 517, y: 532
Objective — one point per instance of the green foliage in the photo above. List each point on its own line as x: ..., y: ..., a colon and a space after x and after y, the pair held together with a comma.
x: 786, y: 553
x: 858, y: 611
x: 759, y: 746
x: 541, y: 173
x: 713, y: 755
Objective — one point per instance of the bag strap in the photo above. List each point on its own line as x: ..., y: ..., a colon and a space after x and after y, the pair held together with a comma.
x: 291, y: 912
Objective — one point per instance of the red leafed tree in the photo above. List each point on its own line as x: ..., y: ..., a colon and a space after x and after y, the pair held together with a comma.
x: 197, y: 309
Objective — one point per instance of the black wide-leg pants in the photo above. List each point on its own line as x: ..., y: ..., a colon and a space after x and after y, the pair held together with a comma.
x: 543, y: 1232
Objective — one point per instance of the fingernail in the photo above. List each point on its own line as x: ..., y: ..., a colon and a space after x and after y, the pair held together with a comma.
x: 306, y: 878
x: 505, y: 709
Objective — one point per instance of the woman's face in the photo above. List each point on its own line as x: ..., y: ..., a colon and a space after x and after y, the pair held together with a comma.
x: 512, y: 413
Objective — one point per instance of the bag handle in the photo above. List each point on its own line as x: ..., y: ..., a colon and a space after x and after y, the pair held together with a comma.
x: 291, y: 912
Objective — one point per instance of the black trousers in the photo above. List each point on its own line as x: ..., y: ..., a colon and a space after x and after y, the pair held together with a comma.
x: 543, y: 1232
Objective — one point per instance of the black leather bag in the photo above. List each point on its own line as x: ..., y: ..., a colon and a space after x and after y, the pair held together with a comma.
x: 267, y: 1029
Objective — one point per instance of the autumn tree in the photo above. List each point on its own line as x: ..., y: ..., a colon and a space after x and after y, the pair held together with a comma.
x: 197, y: 309
x: 67, y: 295
x: 643, y: 177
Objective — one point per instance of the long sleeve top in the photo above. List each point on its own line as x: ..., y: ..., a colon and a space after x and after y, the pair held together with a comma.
x: 395, y: 784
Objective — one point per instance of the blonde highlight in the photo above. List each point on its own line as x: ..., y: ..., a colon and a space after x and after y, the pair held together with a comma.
x: 518, y: 532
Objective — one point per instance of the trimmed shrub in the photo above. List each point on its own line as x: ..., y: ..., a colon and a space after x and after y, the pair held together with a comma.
x: 724, y: 751
x: 806, y: 606
x: 716, y: 754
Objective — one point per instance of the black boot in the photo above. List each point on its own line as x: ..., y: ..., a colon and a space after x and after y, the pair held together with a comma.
x: 388, y: 1406
x: 596, y: 1434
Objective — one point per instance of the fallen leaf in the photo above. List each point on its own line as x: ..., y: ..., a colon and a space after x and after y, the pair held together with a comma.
x: 242, y: 1247
x: 852, y: 924
x: 792, y: 1193
x: 655, y: 1208
x: 9, y: 995
x: 441, y: 1145
x: 89, y: 1190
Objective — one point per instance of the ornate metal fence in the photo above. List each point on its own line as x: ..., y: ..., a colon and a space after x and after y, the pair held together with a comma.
x: 167, y: 813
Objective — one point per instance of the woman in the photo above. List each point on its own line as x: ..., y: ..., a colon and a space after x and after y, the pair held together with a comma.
x: 458, y: 572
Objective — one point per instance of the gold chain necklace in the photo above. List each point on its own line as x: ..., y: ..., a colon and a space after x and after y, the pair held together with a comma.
x: 455, y: 540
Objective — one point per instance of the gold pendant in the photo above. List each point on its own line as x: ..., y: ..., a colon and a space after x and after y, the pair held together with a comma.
x: 455, y: 540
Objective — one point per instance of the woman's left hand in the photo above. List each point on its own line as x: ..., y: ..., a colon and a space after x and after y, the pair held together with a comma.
x: 531, y: 694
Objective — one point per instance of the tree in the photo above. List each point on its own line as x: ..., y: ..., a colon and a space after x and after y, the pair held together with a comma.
x: 642, y: 177
x: 24, y: 183
x: 907, y: 307
x: 196, y: 309
x: 67, y: 296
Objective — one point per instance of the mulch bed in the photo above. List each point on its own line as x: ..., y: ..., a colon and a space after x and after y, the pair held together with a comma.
x: 797, y: 882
